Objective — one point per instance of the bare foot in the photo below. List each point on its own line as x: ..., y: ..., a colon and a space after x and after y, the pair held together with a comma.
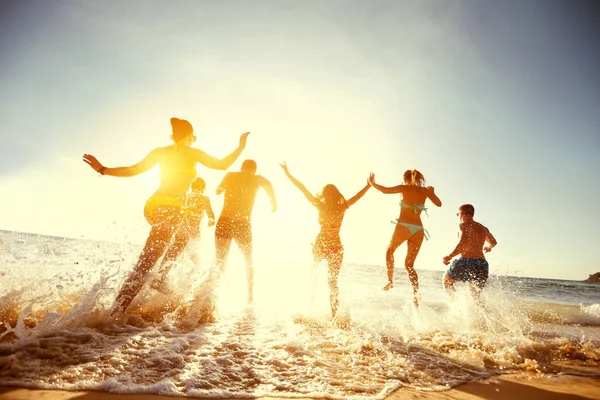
x: 389, y: 286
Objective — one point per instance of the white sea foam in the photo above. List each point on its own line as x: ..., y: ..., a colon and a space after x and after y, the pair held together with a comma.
x: 593, y: 310
x: 58, y: 332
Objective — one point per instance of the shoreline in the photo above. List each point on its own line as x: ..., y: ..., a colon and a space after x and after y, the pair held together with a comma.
x: 502, y: 387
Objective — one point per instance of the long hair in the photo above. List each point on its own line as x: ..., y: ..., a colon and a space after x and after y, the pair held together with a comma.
x: 414, y: 178
x: 330, y: 196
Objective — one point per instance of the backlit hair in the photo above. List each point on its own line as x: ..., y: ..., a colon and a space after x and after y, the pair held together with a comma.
x: 330, y: 195
x: 414, y: 177
x: 249, y: 166
x: 181, y: 129
x: 198, y: 185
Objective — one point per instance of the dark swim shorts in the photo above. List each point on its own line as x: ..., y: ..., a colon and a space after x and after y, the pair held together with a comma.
x: 474, y: 270
x: 239, y: 230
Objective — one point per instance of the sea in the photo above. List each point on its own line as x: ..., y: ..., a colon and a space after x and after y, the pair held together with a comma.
x: 56, y: 331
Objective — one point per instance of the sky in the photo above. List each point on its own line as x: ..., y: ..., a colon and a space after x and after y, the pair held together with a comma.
x: 496, y: 103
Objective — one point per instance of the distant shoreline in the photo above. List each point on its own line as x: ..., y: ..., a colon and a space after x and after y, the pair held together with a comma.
x: 593, y: 278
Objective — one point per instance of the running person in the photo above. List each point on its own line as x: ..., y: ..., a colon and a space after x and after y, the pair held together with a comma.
x: 240, y: 189
x: 164, y: 209
x: 472, y: 266
x: 332, y: 207
x: 196, y: 205
x: 409, y: 227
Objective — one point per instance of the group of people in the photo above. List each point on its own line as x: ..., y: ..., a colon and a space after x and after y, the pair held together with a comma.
x: 174, y: 214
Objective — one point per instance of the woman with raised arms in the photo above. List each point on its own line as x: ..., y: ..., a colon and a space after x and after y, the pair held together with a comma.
x: 408, y: 225
x: 331, y: 206
x: 164, y: 210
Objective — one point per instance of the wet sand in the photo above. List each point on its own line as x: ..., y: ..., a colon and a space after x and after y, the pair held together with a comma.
x: 506, y: 387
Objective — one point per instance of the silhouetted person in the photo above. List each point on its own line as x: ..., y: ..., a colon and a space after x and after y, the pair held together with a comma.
x: 408, y: 225
x: 196, y: 205
x: 164, y: 209
x: 331, y: 206
x: 240, y: 189
x: 472, y: 266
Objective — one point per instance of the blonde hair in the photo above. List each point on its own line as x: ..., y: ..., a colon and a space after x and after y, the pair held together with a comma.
x: 414, y: 177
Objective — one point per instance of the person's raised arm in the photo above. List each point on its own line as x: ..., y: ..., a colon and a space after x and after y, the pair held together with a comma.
x: 358, y: 195
x: 268, y: 188
x: 225, y: 162
x: 223, y: 185
x: 384, y: 189
x: 433, y: 197
x: 148, y: 162
x: 491, y: 240
x: 458, y: 249
x: 299, y: 185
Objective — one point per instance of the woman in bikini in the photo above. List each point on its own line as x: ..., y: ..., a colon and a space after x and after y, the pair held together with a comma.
x: 408, y: 225
x: 164, y: 210
x: 331, y: 206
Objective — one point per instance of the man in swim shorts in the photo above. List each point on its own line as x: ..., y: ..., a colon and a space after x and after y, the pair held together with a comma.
x: 471, y: 267
x: 240, y: 189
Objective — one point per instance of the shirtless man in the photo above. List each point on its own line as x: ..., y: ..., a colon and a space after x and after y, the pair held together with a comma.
x: 471, y: 266
x: 240, y: 189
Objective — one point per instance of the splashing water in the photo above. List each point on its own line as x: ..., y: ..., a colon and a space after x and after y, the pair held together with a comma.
x: 56, y: 330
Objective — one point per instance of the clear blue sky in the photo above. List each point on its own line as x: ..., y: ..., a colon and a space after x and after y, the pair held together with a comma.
x: 496, y: 102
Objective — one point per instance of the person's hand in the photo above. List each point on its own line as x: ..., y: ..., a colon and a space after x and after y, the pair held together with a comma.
x: 211, y: 221
x: 273, y: 206
x: 283, y: 166
x: 243, y: 139
x: 431, y: 188
x: 487, y: 249
x: 371, y: 179
x: 446, y: 260
x: 92, y: 162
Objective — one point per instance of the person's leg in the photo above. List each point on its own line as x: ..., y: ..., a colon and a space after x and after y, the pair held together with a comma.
x: 165, y: 222
x: 317, y: 257
x: 400, y: 234
x: 223, y: 238
x: 479, y: 275
x: 244, y: 242
x: 192, y: 251
x: 448, y: 284
x: 414, y: 245
x: 172, y: 254
x: 475, y: 289
x: 205, y: 293
x: 192, y: 248
x: 457, y: 272
x: 334, y: 262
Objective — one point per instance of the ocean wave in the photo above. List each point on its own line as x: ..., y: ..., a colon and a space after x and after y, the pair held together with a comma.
x: 562, y: 314
x: 56, y: 332
x: 593, y: 310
